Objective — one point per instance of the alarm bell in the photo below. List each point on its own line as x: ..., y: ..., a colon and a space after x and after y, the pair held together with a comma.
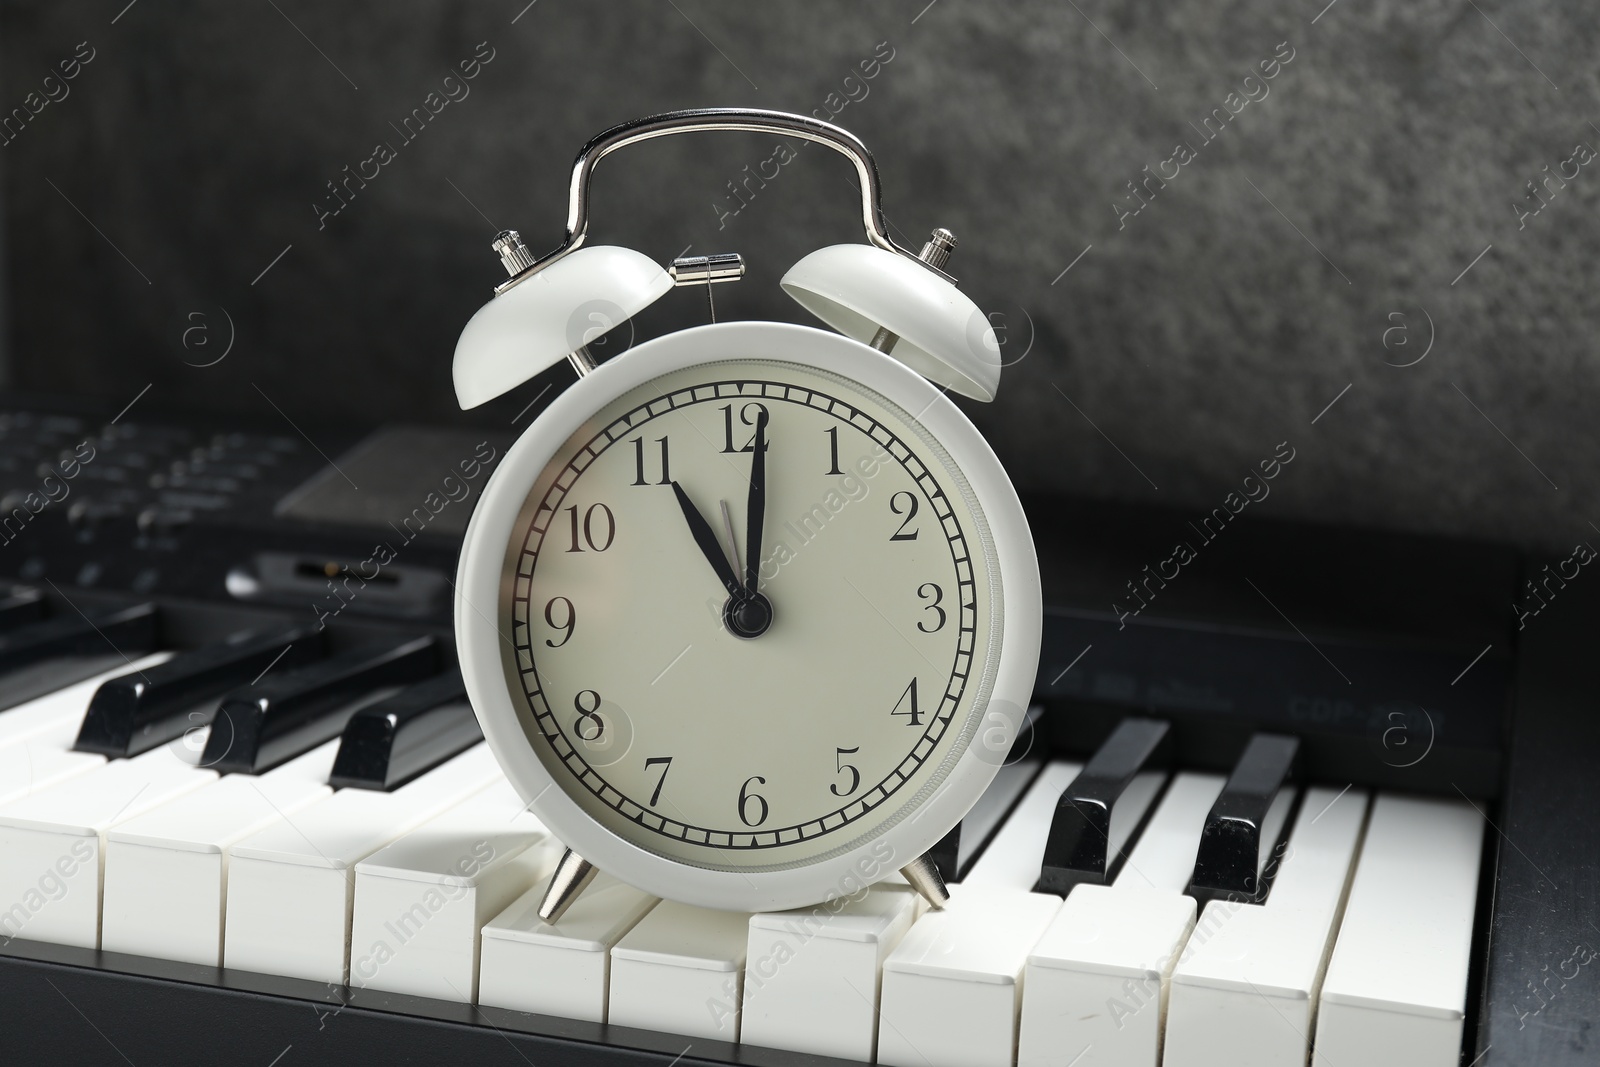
x: 880, y: 293
x: 550, y: 316
x: 863, y: 292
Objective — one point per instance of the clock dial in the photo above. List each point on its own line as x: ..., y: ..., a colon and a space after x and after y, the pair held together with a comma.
x: 750, y: 608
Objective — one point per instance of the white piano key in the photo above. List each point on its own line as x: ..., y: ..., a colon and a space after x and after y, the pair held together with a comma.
x: 290, y: 886
x: 1244, y: 993
x: 1096, y: 982
x: 1272, y: 826
x: 1396, y: 988
x: 1013, y: 859
x: 679, y: 970
x: 1097, y: 979
x: 1131, y: 808
x: 1163, y: 857
x: 980, y: 823
x: 951, y: 988
x: 67, y: 704
x: 421, y: 902
x: 565, y: 969
x: 811, y: 974
x: 43, y: 760
x: 166, y: 871
x: 52, y: 843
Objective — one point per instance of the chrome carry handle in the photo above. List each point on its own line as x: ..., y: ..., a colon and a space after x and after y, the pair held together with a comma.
x: 740, y: 120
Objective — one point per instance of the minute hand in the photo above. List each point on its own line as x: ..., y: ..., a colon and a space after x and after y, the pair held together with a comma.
x: 707, y: 540
x: 756, y: 510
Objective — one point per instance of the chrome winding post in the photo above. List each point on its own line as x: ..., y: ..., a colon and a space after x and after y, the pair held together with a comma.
x: 936, y: 253
x: 516, y: 258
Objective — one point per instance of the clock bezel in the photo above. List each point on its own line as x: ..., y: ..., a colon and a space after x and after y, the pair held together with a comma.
x: 483, y: 651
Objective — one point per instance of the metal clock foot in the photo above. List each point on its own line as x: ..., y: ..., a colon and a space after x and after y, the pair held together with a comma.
x: 925, y: 879
x: 572, y: 877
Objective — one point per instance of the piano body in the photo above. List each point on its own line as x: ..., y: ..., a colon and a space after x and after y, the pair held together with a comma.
x: 1319, y: 800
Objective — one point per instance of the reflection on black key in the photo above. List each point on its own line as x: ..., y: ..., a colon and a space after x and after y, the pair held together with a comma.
x: 388, y: 743
x: 259, y: 726
x: 1245, y: 829
x: 1080, y: 849
x: 136, y: 712
x: 18, y: 607
x: 41, y: 657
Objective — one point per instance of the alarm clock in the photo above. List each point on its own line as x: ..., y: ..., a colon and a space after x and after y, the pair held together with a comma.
x: 750, y: 614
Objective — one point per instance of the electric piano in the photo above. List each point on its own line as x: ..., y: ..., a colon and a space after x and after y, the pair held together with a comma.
x: 1320, y: 800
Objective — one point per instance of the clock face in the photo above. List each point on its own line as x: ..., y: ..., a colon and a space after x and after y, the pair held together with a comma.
x: 741, y: 724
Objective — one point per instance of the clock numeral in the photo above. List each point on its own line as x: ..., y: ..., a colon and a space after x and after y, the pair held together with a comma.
x: 665, y: 763
x: 938, y: 598
x: 748, y: 415
x: 914, y: 714
x: 840, y: 766
x: 638, y: 462
x: 745, y: 797
x: 833, y: 450
x: 590, y: 527
x: 910, y: 512
x: 588, y: 718
x: 570, y: 621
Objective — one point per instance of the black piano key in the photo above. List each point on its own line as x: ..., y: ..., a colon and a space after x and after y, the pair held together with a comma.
x: 388, y: 743
x: 1079, y: 848
x: 132, y: 629
x: 18, y: 607
x: 259, y: 726
x: 959, y: 849
x: 1246, y: 827
x: 138, y: 711
x: 41, y: 657
x: 946, y: 855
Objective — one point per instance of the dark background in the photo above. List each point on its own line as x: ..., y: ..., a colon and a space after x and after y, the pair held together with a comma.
x: 1254, y: 290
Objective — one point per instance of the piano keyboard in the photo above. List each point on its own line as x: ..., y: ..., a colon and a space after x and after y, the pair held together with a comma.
x: 270, y: 804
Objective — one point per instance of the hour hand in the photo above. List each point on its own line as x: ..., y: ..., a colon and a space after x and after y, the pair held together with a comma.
x: 706, y: 538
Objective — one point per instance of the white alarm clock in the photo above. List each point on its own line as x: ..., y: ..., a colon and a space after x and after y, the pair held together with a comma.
x: 750, y: 614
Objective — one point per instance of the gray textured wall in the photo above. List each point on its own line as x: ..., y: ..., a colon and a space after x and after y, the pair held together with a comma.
x: 1245, y: 296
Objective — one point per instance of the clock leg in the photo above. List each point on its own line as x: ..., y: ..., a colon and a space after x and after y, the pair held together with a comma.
x: 924, y: 877
x: 572, y: 877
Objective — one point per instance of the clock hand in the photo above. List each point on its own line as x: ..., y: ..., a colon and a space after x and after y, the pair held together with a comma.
x: 756, y: 509
x: 706, y: 538
x: 733, y: 538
